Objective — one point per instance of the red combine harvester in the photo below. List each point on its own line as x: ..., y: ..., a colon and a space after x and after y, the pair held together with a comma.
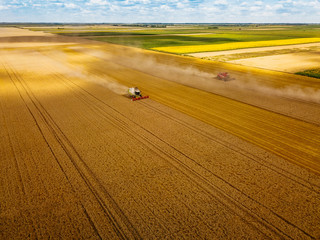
x: 135, y: 94
x: 224, y: 76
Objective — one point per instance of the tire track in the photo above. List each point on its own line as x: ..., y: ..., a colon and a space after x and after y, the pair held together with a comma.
x: 238, y: 150
x: 249, y: 134
x: 157, y: 150
x: 75, y: 157
x: 299, y: 152
x: 45, y: 139
x: 116, y: 120
x: 185, y: 169
x: 13, y: 153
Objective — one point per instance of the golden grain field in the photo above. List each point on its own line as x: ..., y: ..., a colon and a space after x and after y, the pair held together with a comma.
x: 199, y: 159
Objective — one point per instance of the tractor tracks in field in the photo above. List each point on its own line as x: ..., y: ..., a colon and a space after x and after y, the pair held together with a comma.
x: 177, y: 159
x: 289, y: 138
x: 181, y: 162
x: 232, y: 147
x: 293, y: 140
x: 12, y: 150
x: 121, y: 225
x: 263, y: 219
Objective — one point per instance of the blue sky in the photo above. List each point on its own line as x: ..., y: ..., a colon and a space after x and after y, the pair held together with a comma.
x: 175, y: 11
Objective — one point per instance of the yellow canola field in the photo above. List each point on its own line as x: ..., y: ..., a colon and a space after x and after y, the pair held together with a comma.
x: 234, y: 45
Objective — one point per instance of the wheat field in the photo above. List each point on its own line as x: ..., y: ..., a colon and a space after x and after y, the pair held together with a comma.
x: 199, y: 159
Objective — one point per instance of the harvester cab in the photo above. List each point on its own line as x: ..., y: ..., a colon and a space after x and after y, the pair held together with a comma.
x: 135, y: 94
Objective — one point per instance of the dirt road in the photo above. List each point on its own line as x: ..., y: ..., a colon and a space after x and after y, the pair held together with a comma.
x: 81, y: 161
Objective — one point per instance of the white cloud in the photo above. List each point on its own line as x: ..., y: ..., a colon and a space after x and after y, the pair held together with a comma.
x: 97, y: 2
x: 220, y: 2
x: 254, y: 8
x: 70, y: 5
x: 114, y: 8
x: 165, y: 7
x: 274, y: 7
x: 138, y: 1
x: 181, y: 5
x: 164, y: 10
x: 258, y: 3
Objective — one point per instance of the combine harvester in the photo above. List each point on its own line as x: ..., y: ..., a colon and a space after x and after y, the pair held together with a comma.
x: 135, y: 94
x: 224, y: 76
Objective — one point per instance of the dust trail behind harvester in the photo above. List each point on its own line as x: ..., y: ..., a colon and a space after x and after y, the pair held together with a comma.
x: 292, y: 91
x: 106, y: 82
x: 80, y: 72
x: 306, y: 94
x: 113, y: 86
x: 194, y: 77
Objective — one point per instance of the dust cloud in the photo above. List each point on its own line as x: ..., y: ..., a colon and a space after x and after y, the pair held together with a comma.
x: 170, y: 69
x: 207, y: 81
x: 106, y: 81
x: 80, y: 72
x: 295, y: 92
x: 193, y: 77
x: 306, y: 94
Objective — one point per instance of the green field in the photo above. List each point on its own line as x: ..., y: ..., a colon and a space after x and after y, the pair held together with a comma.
x: 189, y: 38
x: 155, y: 41
x: 311, y: 73
x: 186, y: 35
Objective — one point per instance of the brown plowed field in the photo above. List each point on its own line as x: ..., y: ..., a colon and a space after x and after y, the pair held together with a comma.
x: 200, y: 159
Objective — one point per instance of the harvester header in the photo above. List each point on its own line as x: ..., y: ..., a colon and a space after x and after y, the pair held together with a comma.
x: 135, y: 94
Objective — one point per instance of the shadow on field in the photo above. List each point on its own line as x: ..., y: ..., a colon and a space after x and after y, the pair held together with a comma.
x: 18, y: 39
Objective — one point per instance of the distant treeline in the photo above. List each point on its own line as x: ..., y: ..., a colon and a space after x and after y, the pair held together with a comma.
x: 156, y: 25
